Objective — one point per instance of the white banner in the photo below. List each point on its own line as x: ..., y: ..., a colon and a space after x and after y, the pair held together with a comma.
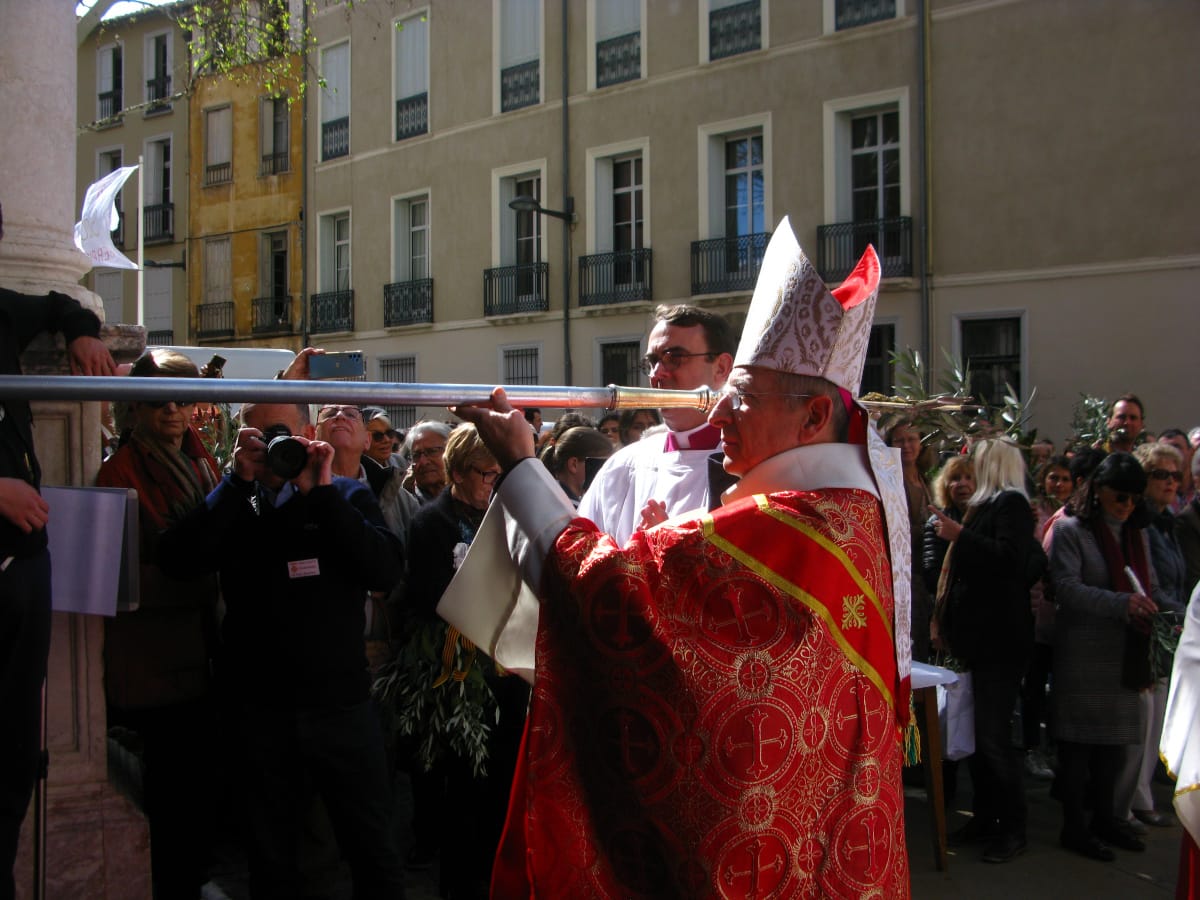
x: 93, y: 233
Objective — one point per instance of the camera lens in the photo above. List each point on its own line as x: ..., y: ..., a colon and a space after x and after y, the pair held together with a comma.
x: 286, y: 456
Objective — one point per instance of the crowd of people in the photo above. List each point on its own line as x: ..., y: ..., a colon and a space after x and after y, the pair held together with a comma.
x: 722, y: 652
x: 1060, y: 581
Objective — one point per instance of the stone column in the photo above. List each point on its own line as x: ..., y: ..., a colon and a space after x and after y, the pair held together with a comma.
x: 37, y: 150
x: 97, y: 843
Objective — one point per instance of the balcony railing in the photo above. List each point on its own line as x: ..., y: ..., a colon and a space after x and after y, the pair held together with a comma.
x: 516, y: 289
x: 159, y: 222
x: 721, y: 265
x: 157, y: 91
x: 271, y: 315
x: 218, y: 173
x: 412, y: 116
x: 408, y: 302
x: 215, y: 320
x: 839, y: 247
x: 619, y: 59
x: 852, y: 13
x: 110, y: 103
x: 274, y: 163
x: 519, y: 86
x: 734, y: 29
x: 164, y: 337
x: 335, y: 138
x: 331, y: 311
x: 620, y: 277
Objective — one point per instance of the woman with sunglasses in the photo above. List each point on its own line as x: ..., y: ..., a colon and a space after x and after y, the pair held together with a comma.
x: 1162, y: 463
x: 156, y: 659
x: 1107, y: 593
x: 457, y: 810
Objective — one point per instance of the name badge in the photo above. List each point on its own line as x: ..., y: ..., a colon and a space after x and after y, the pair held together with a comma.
x: 303, y: 568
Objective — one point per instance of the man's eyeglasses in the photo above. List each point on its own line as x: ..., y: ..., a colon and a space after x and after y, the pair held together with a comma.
x: 670, y: 359
x: 1164, y: 474
x: 159, y: 404
x: 430, y: 452
x: 329, y: 412
x: 487, y: 477
x: 737, y: 397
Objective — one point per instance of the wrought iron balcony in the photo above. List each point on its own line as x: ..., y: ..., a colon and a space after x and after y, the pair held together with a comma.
x: 215, y: 320
x: 271, y: 315
x: 331, y: 311
x: 159, y: 222
x: 721, y: 265
x: 620, y: 277
x: 110, y: 103
x: 519, y: 86
x: 619, y: 59
x: 734, y: 29
x: 408, y: 302
x: 412, y: 116
x: 335, y: 138
x: 161, y: 338
x: 516, y: 289
x: 157, y: 91
x: 274, y: 163
x: 839, y: 247
x: 852, y: 13
x: 218, y: 173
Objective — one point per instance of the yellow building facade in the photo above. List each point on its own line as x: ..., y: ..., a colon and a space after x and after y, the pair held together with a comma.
x: 245, y: 229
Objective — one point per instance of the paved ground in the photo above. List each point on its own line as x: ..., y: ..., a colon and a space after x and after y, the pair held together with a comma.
x: 1043, y: 871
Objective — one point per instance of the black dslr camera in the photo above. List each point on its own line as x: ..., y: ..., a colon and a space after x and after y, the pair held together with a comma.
x: 286, y: 456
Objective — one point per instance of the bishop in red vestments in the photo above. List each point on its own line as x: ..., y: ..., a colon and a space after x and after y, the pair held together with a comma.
x: 718, y: 705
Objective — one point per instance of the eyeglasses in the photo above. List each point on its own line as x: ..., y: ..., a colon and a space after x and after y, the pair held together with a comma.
x: 329, y: 412
x: 1121, y: 497
x: 670, y: 359
x: 737, y: 397
x: 159, y: 404
x: 1164, y: 474
x: 487, y: 477
x: 430, y: 452
x: 378, y: 435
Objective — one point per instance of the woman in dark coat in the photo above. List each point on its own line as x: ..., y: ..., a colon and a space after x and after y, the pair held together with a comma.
x: 1102, y: 614
x: 989, y: 627
x: 459, y: 808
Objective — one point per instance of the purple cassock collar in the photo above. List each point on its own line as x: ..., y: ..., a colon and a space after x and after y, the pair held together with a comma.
x: 706, y: 437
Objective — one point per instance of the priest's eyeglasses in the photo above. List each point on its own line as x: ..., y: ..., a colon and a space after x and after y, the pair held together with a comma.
x: 737, y: 397
x: 670, y: 359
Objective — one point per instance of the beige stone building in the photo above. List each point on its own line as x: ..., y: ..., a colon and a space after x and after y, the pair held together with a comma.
x: 131, y: 71
x: 1022, y: 166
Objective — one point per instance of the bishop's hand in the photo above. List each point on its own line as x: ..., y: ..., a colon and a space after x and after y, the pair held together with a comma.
x: 502, y: 428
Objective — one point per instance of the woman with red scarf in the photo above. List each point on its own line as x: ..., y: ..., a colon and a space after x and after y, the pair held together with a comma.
x: 157, y: 657
x: 1106, y: 590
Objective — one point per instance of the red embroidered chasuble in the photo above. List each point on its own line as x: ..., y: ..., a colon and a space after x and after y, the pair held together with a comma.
x: 713, y: 712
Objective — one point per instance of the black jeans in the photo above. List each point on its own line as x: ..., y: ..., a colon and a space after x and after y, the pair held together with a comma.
x: 1087, y: 778
x: 1033, y: 696
x: 24, y: 647
x: 337, y: 752
x: 995, y: 765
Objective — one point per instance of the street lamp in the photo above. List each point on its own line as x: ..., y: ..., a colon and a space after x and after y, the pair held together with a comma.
x: 526, y: 203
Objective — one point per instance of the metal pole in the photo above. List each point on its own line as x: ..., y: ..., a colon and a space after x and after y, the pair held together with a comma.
x: 250, y: 390
x: 141, y: 227
x: 568, y: 376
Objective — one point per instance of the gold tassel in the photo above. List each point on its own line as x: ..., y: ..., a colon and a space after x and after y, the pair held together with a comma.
x: 912, y: 737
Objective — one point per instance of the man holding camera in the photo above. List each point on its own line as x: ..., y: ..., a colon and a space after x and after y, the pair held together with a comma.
x: 297, y: 550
